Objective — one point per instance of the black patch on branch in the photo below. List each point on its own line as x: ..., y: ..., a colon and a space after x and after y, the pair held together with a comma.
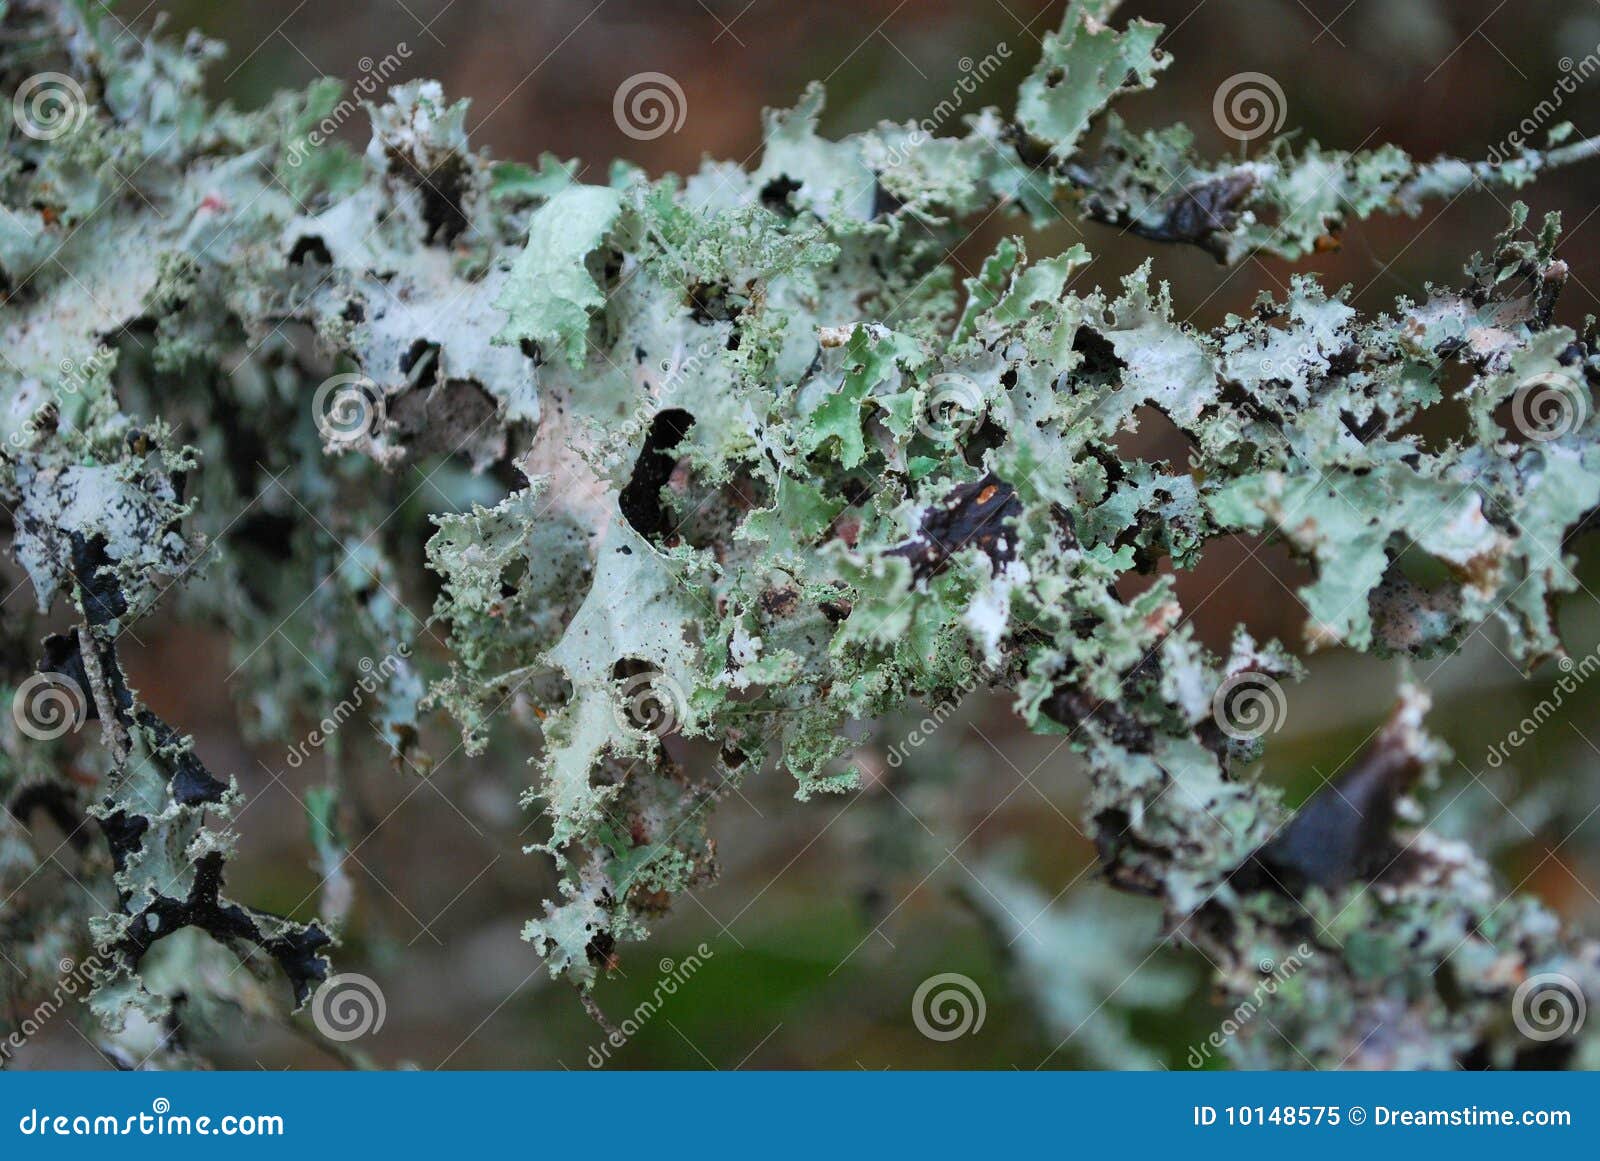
x: 775, y: 195
x: 1345, y: 831
x: 1201, y: 212
x: 296, y: 950
x: 1201, y: 215
x: 981, y: 442
x: 1071, y: 706
x: 443, y: 192
x: 96, y: 579
x: 310, y: 246
x: 192, y: 784
x: 1031, y: 151
x: 124, y: 834
x: 712, y: 302
x: 835, y: 611
x: 420, y: 364
x: 103, y: 602
x: 1365, y: 430
x: 640, y: 501
x: 1099, y: 358
x: 979, y: 515
x: 1113, y: 834
x: 884, y: 203
x: 63, y: 657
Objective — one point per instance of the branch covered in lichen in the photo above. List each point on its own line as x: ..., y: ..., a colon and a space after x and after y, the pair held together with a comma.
x: 773, y: 473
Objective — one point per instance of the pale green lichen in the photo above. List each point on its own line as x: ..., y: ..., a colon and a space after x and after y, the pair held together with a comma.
x: 779, y: 475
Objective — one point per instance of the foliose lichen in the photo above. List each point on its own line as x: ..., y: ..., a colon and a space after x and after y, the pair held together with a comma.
x: 751, y: 467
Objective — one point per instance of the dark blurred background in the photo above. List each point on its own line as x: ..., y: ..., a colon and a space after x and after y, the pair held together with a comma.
x: 820, y: 936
